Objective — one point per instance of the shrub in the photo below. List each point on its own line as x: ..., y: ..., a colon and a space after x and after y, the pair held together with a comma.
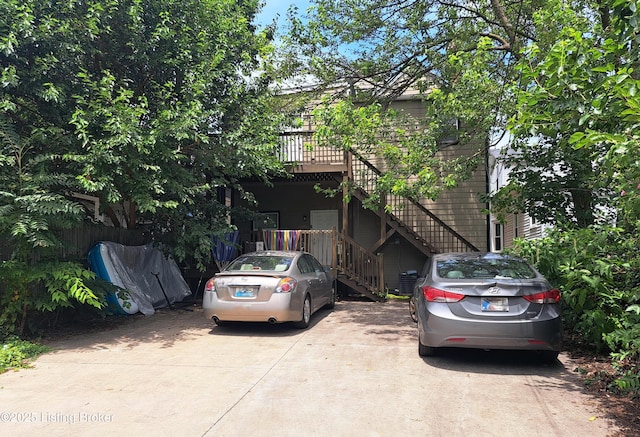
x: 597, y: 269
x: 42, y: 287
x: 15, y: 353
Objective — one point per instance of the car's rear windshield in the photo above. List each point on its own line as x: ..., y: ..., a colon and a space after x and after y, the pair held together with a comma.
x: 271, y: 263
x: 484, y: 268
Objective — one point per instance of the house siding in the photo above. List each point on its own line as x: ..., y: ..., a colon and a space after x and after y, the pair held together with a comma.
x: 508, y: 230
x: 460, y: 208
x: 519, y: 226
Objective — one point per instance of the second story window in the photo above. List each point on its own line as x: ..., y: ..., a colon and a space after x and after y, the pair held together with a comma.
x: 450, y: 133
x: 497, y: 237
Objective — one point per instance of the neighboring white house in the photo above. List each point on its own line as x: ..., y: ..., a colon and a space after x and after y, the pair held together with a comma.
x: 514, y: 226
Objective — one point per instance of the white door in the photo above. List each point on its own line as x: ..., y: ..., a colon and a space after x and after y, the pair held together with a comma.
x: 320, y: 246
x: 324, y: 219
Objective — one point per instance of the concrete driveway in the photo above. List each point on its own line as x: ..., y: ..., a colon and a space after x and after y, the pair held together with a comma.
x: 354, y: 372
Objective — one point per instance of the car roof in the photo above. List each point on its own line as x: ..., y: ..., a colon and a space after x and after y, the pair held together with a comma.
x: 472, y: 255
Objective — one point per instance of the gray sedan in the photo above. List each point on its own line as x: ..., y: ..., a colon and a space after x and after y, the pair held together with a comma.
x: 485, y: 301
x: 269, y: 286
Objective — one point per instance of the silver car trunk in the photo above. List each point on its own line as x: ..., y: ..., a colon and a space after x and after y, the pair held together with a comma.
x: 248, y: 286
x: 501, y: 299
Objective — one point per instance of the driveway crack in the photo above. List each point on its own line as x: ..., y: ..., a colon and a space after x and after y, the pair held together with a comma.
x: 223, y: 415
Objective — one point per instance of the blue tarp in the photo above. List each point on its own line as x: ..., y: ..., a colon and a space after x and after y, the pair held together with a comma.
x: 152, y: 280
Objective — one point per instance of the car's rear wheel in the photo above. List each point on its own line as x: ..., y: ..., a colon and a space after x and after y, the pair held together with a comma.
x: 332, y: 299
x: 306, y: 314
x: 412, y: 309
x: 425, y: 351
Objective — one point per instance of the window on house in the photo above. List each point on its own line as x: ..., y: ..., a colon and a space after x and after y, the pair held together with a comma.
x: 516, y: 225
x: 497, y: 237
x: 267, y: 220
x: 450, y: 135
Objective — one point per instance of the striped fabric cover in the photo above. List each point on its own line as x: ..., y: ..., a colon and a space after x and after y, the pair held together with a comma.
x: 281, y: 239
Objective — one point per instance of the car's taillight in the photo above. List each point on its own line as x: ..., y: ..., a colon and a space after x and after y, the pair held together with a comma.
x: 435, y: 295
x: 286, y: 285
x: 210, y: 285
x: 549, y: 296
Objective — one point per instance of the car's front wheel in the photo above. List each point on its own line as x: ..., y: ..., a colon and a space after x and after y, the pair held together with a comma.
x: 306, y: 314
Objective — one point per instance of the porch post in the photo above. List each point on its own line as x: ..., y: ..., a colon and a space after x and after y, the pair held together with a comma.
x: 381, y: 284
x: 346, y: 178
x: 383, y: 219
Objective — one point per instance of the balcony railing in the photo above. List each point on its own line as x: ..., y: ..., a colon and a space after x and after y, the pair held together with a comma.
x: 302, y: 149
x: 360, y: 265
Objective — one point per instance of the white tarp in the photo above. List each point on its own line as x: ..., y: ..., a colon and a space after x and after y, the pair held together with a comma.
x: 153, y: 280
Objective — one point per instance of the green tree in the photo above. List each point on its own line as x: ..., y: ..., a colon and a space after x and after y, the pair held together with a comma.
x: 459, y: 54
x: 575, y: 128
x: 577, y: 138
x: 151, y: 105
x: 537, y: 69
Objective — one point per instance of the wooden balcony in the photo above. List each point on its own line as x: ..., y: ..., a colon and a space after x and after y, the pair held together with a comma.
x: 301, y: 152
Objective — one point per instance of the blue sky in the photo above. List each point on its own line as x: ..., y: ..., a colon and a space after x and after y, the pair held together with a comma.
x: 273, y: 8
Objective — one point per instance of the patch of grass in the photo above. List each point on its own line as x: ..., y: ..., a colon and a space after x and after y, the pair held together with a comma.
x: 397, y: 296
x: 16, y: 353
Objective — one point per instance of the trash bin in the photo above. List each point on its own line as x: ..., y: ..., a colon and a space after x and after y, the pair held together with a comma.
x: 407, y: 281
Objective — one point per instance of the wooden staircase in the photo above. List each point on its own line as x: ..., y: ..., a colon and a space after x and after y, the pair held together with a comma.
x: 405, y: 216
x: 351, y: 263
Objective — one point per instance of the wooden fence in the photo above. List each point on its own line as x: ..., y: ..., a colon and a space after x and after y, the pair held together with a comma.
x: 79, y: 240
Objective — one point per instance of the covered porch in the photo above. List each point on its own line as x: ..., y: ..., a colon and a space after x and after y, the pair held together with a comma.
x: 350, y: 263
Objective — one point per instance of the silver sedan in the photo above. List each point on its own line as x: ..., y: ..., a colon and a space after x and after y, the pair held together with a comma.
x: 270, y: 286
x: 485, y: 301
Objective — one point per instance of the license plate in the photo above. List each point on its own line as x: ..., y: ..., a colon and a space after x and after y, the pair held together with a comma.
x: 495, y: 304
x: 243, y: 292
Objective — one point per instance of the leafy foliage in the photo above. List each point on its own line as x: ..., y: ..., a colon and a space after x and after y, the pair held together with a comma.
x: 42, y: 287
x: 150, y: 106
x: 31, y: 217
x: 15, y: 353
x: 598, y: 272
x: 458, y: 55
x: 573, y: 129
x: 410, y: 151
